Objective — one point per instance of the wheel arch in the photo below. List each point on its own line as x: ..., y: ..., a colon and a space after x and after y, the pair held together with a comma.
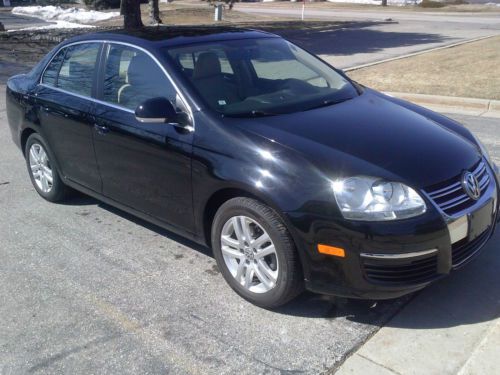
x: 25, y: 134
x: 219, y: 197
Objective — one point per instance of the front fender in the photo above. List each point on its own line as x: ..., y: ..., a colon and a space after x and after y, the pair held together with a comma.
x: 228, y: 162
x: 227, y: 157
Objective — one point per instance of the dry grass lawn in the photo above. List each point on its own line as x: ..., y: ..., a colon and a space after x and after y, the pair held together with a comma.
x: 471, y: 70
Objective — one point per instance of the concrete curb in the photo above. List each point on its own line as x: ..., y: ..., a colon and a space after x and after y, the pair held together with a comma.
x: 352, y: 68
x: 451, y: 104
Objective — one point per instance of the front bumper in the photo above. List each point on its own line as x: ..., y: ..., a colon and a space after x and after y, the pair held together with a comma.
x: 391, y: 259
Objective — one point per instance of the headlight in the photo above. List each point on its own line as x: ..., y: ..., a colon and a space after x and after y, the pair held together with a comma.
x: 373, y: 199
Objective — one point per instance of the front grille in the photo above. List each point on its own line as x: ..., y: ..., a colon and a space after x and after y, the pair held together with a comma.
x: 464, y: 250
x: 450, y: 196
x: 401, y: 272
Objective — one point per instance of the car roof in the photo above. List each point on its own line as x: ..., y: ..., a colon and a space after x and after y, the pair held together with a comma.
x: 174, y: 35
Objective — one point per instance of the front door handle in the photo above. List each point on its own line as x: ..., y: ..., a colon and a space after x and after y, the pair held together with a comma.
x: 101, y: 129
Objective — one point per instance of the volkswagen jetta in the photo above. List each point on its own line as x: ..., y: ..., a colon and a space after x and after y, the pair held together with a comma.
x: 295, y: 175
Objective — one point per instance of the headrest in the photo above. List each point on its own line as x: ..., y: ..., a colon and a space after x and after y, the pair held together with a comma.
x: 207, y: 65
x: 141, y: 70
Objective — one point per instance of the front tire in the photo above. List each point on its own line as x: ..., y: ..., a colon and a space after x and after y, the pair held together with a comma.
x: 42, y: 170
x: 255, y: 253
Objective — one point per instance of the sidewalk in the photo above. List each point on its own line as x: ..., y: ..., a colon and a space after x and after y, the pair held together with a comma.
x: 452, y: 327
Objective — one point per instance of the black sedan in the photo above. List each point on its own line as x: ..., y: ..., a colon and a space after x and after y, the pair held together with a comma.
x: 295, y: 175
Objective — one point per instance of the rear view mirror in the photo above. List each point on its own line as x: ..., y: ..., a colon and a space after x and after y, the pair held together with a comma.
x: 156, y: 110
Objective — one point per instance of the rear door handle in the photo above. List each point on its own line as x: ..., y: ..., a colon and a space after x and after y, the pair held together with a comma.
x: 101, y: 129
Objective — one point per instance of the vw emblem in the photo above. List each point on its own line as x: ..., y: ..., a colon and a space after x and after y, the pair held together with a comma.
x: 471, y: 186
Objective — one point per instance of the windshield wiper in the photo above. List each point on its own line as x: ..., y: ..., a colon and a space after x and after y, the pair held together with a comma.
x: 261, y: 113
x: 328, y: 102
x: 253, y: 113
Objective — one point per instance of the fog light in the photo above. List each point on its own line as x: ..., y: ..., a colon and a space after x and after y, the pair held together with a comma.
x: 331, y: 250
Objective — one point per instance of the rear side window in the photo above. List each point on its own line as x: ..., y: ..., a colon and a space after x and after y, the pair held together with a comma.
x: 73, y: 69
x: 50, y: 75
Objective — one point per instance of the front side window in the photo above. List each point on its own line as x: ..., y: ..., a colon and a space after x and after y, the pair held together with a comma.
x: 131, y: 77
x: 72, y: 69
x: 259, y: 77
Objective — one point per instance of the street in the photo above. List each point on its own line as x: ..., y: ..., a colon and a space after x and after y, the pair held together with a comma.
x: 87, y: 288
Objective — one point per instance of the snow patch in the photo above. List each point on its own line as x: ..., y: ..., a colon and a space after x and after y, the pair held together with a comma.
x: 69, y: 16
x: 56, y: 25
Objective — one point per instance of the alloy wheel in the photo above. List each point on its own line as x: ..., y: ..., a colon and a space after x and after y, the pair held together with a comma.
x: 40, y: 167
x: 249, y: 254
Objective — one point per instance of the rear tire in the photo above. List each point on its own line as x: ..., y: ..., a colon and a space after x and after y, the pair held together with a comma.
x: 255, y: 253
x: 42, y: 170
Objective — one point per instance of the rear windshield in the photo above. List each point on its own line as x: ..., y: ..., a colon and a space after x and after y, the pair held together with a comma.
x: 259, y: 77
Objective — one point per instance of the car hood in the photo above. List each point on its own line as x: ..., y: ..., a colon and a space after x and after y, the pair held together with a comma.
x: 371, y: 134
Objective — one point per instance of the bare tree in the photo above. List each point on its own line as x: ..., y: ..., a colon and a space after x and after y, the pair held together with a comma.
x: 154, y: 12
x: 131, y: 11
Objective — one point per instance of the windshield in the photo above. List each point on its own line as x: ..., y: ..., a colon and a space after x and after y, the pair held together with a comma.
x: 259, y: 77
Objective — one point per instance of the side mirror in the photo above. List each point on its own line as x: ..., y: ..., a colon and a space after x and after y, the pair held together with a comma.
x: 156, y: 110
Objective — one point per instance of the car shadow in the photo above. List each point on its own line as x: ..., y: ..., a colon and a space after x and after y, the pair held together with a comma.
x: 467, y: 296
x: 350, y: 37
x: 80, y: 199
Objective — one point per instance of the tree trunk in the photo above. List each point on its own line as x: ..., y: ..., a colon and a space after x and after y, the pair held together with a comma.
x: 131, y: 11
x: 154, y: 12
x: 384, y: 3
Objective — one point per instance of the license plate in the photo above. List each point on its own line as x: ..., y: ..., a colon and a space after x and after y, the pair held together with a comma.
x: 480, y: 220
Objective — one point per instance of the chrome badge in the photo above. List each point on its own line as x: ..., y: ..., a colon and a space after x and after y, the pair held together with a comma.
x: 471, y: 185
